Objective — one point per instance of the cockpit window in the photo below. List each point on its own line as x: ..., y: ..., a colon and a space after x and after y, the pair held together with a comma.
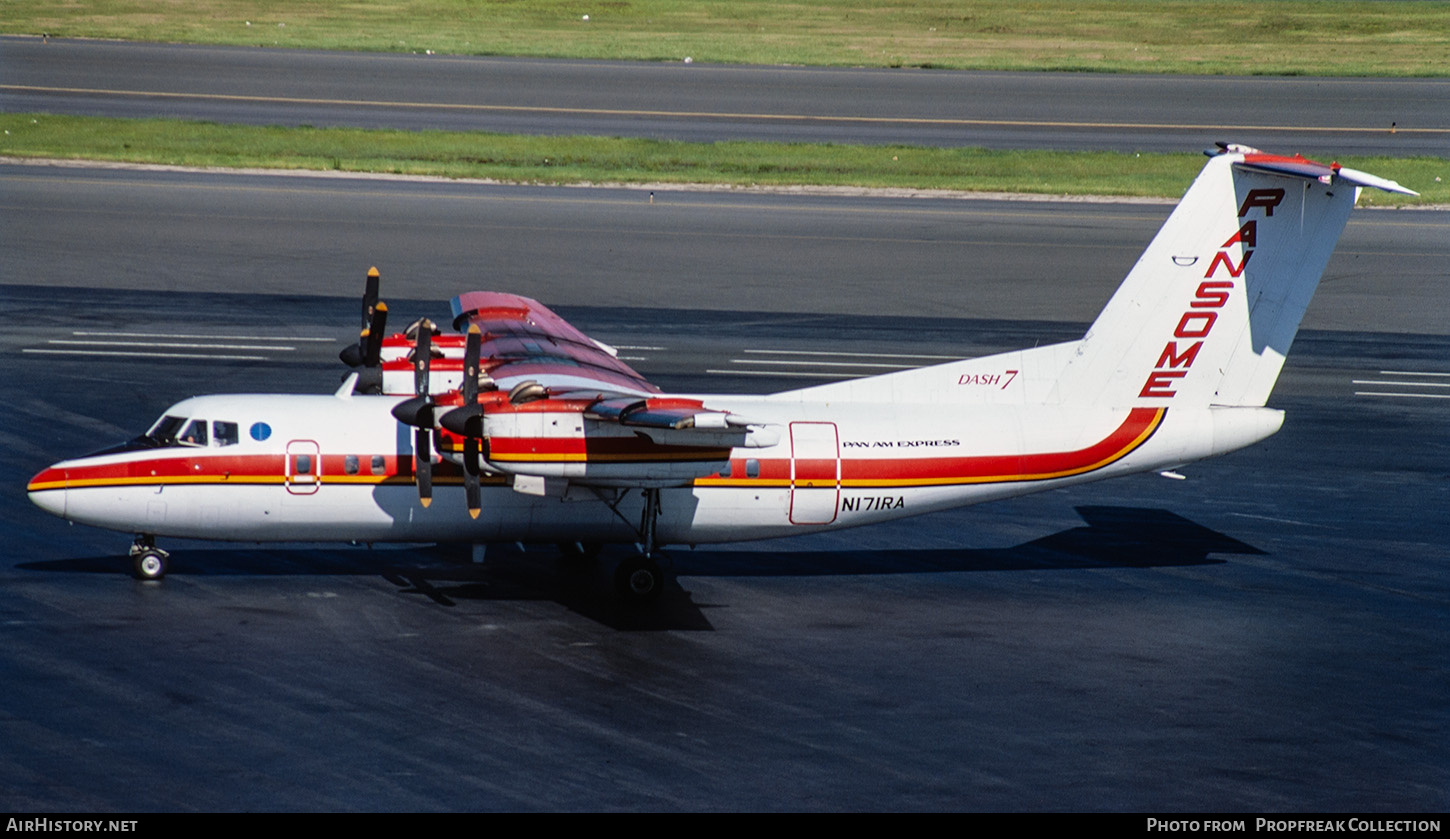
x: 170, y: 431
x: 194, y: 435
x: 163, y: 433
x: 175, y: 432
x: 224, y: 433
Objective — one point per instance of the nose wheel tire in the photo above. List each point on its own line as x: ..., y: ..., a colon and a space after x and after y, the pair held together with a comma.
x: 639, y: 581
x: 149, y: 564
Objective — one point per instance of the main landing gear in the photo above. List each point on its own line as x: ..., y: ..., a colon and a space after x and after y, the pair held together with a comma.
x: 638, y: 580
x: 148, y: 562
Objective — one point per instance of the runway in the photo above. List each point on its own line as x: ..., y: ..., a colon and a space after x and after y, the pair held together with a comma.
x: 1067, y: 111
x: 1269, y: 634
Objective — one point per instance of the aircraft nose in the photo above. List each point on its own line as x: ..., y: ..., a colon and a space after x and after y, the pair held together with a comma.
x: 48, y: 490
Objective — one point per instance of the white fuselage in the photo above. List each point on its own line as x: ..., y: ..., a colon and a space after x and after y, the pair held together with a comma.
x: 326, y: 468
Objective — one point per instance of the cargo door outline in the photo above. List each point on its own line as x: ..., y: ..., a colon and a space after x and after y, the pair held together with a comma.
x: 815, y: 472
x: 302, y: 467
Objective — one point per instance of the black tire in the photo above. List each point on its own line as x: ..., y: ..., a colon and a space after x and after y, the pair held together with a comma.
x: 639, y: 581
x: 149, y: 565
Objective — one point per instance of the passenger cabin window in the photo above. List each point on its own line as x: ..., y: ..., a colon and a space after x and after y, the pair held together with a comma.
x: 752, y: 468
x: 350, y: 464
x: 380, y: 465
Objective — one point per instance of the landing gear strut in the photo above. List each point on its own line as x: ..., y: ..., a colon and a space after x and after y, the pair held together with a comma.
x: 647, y: 523
x: 639, y: 580
x: 148, y: 562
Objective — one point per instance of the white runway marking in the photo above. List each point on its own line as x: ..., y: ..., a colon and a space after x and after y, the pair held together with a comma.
x: 177, y: 345
x: 1406, y: 382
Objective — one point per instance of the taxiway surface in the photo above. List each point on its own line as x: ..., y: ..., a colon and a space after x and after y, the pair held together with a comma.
x: 1120, y: 112
x: 1270, y: 634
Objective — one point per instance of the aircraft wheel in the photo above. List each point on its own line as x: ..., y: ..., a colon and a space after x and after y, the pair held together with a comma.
x: 639, y: 581
x: 149, y: 565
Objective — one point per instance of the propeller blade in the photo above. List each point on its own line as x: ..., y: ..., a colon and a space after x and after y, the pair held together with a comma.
x: 473, y: 425
x: 422, y: 356
x: 373, y: 336
x: 370, y: 297
x: 470, y: 476
x: 423, y: 464
x: 423, y: 414
x: 471, y: 351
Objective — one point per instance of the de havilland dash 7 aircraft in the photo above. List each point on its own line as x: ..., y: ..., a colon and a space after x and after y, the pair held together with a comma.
x: 518, y: 427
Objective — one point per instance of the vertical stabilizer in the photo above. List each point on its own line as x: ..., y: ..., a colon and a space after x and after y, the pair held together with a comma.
x: 1207, y: 314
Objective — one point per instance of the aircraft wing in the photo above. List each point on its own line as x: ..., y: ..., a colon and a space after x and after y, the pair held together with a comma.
x: 523, y: 340
x: 522, y: 392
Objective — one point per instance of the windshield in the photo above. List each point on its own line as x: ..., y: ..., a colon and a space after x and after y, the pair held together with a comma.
x: 163, y: 433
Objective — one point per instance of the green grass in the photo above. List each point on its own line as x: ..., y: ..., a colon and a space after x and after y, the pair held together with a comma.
x: 565, y: 160
x: 1318, y: 37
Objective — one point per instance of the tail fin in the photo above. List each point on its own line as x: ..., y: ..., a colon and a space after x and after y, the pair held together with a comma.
x: 1207, y: 314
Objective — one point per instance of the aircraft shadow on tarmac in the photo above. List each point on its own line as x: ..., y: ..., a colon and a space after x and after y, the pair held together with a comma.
x: 1113, y: 537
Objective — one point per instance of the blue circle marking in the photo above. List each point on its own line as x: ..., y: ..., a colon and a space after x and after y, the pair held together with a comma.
x: 261, y: 431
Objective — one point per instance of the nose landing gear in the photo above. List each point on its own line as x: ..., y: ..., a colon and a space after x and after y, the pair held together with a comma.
x: 148, y: 562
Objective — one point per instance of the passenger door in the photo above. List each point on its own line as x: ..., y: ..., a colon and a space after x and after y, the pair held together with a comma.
x: 815, y: 472
x: 303, y: 469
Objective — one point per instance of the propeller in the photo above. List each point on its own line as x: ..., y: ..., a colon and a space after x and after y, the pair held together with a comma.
x: 418, y: 411
x: 467, y: 420
x: 367, y: 352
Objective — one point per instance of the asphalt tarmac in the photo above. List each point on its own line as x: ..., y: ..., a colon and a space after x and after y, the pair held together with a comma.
x: 699, y: 102
x: 1269, y: 634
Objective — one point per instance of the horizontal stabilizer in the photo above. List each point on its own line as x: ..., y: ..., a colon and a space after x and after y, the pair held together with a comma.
x: 1303, y: 167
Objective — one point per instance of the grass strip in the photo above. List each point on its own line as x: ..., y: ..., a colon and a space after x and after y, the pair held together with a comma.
x: 1242, y: 37
x: 573, y: 160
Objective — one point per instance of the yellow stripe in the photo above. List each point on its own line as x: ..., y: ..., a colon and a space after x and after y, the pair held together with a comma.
x: 167, y: 480
x: 745, y: 483
x: 636, y: 112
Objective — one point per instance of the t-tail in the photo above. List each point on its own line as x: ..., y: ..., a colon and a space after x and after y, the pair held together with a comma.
x: 1206, y: 316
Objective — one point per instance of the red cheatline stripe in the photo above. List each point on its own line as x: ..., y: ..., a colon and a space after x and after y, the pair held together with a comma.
x: 1135, y: 430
